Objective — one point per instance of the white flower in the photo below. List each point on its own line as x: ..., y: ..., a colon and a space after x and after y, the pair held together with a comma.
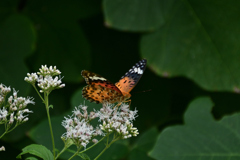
x: 77, y: 112
x: 3, y: 114
x: 32, y: 78
x: 124, y: 107
x: 133, y: 115
x: 118, y: 120
x: 48, y: 83
x: 105, y: 112
x: 27, y: 111
x: 78, y: 127
x: 94, y: 140
x: 22, y: 118
x: 4, y: 90
x: 99, y: 132
x: 81, y: 112
x: 25, y: 119
x: 1, y: 99
x: 19, y: 102
x: 84, y: 144
x: 78, y: 130
x: 92, y: 115
x: 29, y: 100
x: 10, y: 99
x: 14, y: 108
x: 52, y: 71
x: 2, y: 148
x: 11, y: 118
x: 47, y: 80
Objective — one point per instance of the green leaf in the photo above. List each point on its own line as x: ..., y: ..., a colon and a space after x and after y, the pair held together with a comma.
x: 41, y: 133
x: 50, y: 106
x: 199, y: 40
x: 31, y: 158
x: 17, y: 40
x: 201, y: 137
x: 141, y: 15
x: 143, y: 145
x: 84, y: 156
x: 37, y: 150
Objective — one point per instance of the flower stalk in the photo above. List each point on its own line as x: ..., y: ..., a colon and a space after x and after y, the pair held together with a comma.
x: 47, y: 79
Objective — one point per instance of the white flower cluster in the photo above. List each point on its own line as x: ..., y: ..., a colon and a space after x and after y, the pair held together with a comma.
x: 52, y: 71
x: 79, y: 128
x: 47, y: 79
x: 2, y: 148
x: 118, y: 120
x: 3, y: 93
x: 14, y: 108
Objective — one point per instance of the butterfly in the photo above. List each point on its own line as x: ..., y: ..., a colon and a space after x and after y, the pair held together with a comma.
x: 101, y: 90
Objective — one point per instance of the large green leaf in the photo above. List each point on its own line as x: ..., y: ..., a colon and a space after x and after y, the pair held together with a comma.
x: 199, y: 40
x: 37, y: 150
x: 201, y: 137
x: 143, y: 145
x: 141, y: 15
x: 17, y: 40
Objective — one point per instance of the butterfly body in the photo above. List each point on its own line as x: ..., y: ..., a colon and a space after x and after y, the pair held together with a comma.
x: 101, y: 90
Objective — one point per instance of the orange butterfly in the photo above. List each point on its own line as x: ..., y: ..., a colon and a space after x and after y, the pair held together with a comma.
x: 101, y: 90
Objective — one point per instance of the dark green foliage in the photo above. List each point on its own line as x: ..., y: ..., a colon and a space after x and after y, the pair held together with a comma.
x: 192, y: 48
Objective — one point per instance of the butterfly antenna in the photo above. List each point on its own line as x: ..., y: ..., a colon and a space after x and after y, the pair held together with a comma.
x: 143, y: 91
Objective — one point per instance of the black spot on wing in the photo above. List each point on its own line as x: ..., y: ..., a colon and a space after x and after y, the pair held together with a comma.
x: 135, y: 73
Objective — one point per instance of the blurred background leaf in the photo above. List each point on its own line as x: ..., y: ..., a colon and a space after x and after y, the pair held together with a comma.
x: 17, y: 41
x: 201, y: 137
x: 133, y: 15
x: 198, y: 40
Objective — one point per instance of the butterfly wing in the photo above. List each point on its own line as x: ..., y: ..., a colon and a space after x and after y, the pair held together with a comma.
x: 91, y: 77
x: 99, y: 89
x: 100, y: 94
x: 131, y: 78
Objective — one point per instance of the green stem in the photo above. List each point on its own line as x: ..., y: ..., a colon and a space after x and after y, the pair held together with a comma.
x: 49, y: 122
x: 94, y: 144
x: 13, y: 127
x: 3, y: 134
x: 7, y: 127
x: 107, y: 139
x: 107, y: 146
x: 75, y: 153
x: 63, y: 150
x: 38, y: 93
